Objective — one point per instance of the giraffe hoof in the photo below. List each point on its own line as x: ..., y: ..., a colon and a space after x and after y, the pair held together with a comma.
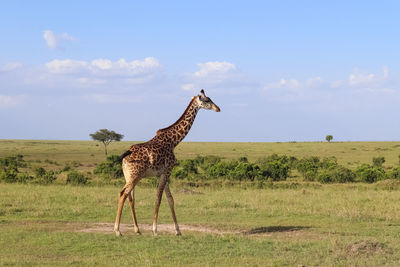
x: 118, y: 233
x: 178, y: 233
x: 138, y: 233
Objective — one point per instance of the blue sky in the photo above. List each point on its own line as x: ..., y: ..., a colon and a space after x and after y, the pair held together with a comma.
x: 279, y: 70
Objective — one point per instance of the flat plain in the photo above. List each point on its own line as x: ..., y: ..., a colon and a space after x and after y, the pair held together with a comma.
x: 294, y: 223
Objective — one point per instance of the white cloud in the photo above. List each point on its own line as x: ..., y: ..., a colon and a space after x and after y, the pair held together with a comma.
x: 361, y: 78
x: 7, y: 101
x: 293, y: 84
x: 69, y: 74
x: 216, y: 76
x: 188, y: 87
x: 104, y: 67
x: 11, y: 66
x: 355, y: 90
x: 212, y: 68
x: 123, y: 67
x: 55, y: 41
x: 103, y: 64
x: 376, y: 84
x: 50, y: 39
x: 66, y: 66
x: 356, y: 81
x: 107, y: 98
x: 385, y: 72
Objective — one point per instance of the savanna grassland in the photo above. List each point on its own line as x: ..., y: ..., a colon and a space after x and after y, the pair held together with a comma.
x: 290, y: 223
x: 89, y: 153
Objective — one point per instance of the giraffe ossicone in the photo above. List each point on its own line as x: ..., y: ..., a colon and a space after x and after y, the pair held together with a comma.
x: 156, y: 158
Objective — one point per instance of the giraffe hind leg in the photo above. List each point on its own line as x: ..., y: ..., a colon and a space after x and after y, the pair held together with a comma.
x: 171, y: 205
x: 123, y: 194
x: 160, y: 191
x: 131, y: 199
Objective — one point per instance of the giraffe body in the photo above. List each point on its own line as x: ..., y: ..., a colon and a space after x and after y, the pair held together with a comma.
x: 156, y: 158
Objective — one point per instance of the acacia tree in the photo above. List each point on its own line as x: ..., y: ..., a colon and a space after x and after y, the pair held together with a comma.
x: 329, y: 138
x: 106, y: 137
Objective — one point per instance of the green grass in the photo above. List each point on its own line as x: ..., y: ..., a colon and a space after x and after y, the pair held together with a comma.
x: 311, y: 226
x: 290, y: 224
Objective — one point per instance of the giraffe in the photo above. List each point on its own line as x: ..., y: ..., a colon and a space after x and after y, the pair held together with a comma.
x: 156, y: 158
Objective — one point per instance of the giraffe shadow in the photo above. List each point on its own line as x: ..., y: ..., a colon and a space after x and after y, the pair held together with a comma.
x: 274, y: 229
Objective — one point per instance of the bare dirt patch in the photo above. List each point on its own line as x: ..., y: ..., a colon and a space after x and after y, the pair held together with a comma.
x: 189, y: 191
x: 168, y: 228
x: 367, y: 248
x: 108, y: 228
x: 271, y: 231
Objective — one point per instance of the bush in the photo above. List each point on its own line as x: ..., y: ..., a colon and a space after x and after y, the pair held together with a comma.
x: 179, y: 173
x: 205, y: 162
x: 111, y: 168
x: 76, y: 178
x: 395, y: 173
x: 378, y: 161
x: 308, y: 167
x: 221, y: 169
x: 276, y: 167
x: 339, y: 174
x: 370, y: 174
x: 66, y: 168
x: 245, y: 171
x: 276, y: 170
x: 292, y: 162
x: 24, y: 178
x: 329, y: 162
x: 44, y: 177
x: 188, y: 165
x: 310, y: 175
x: 9, y: 169
x: 343, y: 175
x: 184, y: 168
x: 15, y: 162
x: 9, y: 175
x: 325, y: 177
x: 39, y: 171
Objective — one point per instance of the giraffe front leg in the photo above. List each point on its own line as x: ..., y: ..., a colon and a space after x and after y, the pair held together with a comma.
x: 160, y: 190
x: 171, y: 205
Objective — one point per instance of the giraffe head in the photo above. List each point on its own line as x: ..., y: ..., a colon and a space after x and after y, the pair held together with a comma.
x: 205, y: 102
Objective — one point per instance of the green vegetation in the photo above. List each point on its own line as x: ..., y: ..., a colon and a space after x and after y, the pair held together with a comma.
x: 303, y: 224
x: 76, y: 178
x: 111, y: 168
x: 378, y: 161
x: 263, y: 170
x: 329, y: 138
x: 89, y: 153
x: 291, y: 204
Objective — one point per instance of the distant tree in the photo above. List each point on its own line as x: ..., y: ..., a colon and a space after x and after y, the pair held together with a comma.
x: 106, y: 137
x: 329, y: 138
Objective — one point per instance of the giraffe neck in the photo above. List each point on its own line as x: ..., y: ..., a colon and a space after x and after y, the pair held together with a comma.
x: 175, y: 133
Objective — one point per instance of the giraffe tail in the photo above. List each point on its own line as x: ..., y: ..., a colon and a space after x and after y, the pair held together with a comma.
x: 127, y: 153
